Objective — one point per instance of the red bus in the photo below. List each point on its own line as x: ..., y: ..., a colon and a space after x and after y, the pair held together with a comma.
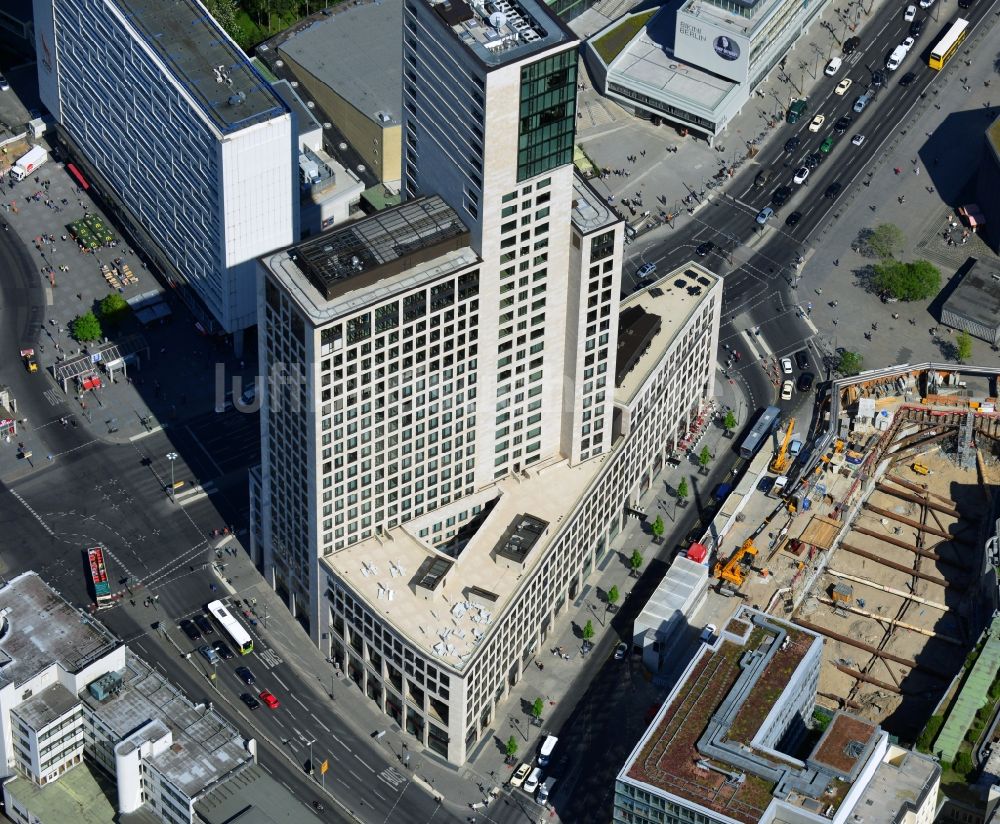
x: 78, y: 176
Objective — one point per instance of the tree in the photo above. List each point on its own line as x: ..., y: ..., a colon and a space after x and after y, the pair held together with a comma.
x: 907, y: 281
x: 682, y: 489
x: 537, y: 708
x: 86, y: 327
x: 963, y: 346
x: 224, y: 12
x: 613, y: 595
x: 588, y: 630
x: 884, y: 241
x: 704, y: 457
x: 729, y: 421
x: 511, y: 748
x: 658, y: 527
x: 635, y: 561
x: 963, y: 764
x: 114, y: 309
x: 850, y: 363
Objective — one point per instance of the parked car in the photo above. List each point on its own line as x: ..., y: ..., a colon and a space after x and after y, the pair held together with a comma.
x: 764, y: 215
x: 805, y: 381
x: 858, y: 139
x: 851, y: 45
x: 621, y: 651
x: 908, y: 78
x: 244, y: 674
x: 801, y: 175
x: 781, y: 194
x: 842, y: 124
x: 910, y: 14
x: 827, y: 145
x: 917, y: 28
x: 204, y: 625
x: 802, y: 359
x: 793, y: 218
x: 786, y: 366
x: 645, y: 270
x: 862, y: 101
x: 786, y: 391
x: 926, y: 4
x: 843, y: 86
x: 817, y: 123
x: 210, y: 654
x: 832, y: 190
x: 708, y: 633
x: 813, y: 159
x: 764, y: 176
x: 222, y: 648
x: 907, y: 43
x: 521, y: 773
x: 792, y: 144
x: 268, y: 698
x: 190, y: 629
x: 878, y: 78
x: 533, y: 780
x: 4, y: 85
x: 251, y: 702
x: 833, y: 66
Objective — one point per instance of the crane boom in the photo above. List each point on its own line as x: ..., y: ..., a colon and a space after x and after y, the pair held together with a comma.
x: 780, y: 462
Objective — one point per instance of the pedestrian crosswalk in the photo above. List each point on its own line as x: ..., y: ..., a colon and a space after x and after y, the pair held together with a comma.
x: 393, y: 777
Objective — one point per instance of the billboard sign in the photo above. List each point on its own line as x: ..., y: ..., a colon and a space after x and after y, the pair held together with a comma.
x: 702, y: 43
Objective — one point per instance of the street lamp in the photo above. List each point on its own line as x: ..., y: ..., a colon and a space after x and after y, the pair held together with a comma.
x: 312, y: 769
x: 172, y: 456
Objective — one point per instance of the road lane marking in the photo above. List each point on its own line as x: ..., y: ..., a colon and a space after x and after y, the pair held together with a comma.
x: 370, y: 769
x: 342, y: 744
x: 356, y: 775
x: 276, y: 678
x: 297, y: 701
x: 324, y: 726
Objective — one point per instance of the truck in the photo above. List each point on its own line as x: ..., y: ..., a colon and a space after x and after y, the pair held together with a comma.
x: 99, y: 577
x: 28, y: 163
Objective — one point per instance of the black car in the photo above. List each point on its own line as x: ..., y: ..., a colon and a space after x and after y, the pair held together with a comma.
x: 190, y: 630
x: 805, y: 381
x: 793, y: 218
x: 222, y: 648
x: 878, y: 78
x: 907, y: 79
x: 832, y: 190
x: 802, y: 359
x: 251, y: 702
x: 792, y: 143
x: 705, y: 248
x: 917, y: 26
x: 843, y: 124
x: 244, y: 674
x: 781, y: 194
x: 204, y: 625
x: 964, y: 4
x: 813, y: 159
x: 851, y: 45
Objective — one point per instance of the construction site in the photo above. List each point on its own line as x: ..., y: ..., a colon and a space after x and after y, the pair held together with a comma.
x: 871, y: 534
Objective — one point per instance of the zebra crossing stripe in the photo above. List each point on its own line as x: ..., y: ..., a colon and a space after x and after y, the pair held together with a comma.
x: 37, y: 517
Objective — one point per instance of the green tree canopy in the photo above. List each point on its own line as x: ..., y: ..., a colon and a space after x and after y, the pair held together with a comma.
x: 907, y: 281
x: 850, y: 363
x: 658, y: 527
x: 729, y: 421
x: 86, y: 327
x: 537, y: 708
x: 704, y: 457
x: 636, y: 560
x: 884, y: 241
x: 613, y: 595
x: 682, y: 489
x: 588, y: 630
x: 114, y: 309
x: 963, y: 346
x: 511, y: 747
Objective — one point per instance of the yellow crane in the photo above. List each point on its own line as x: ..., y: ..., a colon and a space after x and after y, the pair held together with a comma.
x: 781, y: 461
x: 732, y: 570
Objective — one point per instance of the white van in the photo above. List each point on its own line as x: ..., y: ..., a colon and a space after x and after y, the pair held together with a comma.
x: 833, y: 66
x: 895, y: 58
x: 534, y: 780
x: 545, y: 751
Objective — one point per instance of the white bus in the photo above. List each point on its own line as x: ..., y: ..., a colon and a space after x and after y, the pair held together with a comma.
x: 231, y: 627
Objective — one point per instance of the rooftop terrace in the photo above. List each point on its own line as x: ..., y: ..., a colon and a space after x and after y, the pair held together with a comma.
x: 502, y: 31
x: 205, y: 62
x: 40, y: 628
x: 590, y: 212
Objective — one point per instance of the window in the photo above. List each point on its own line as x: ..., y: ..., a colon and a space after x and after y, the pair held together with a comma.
x: 547, y: 114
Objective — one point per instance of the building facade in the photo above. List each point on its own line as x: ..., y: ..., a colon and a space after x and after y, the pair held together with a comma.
x: 445, y: 429
x: 183, y: 136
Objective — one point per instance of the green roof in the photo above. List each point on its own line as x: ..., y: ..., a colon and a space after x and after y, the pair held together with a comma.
x: 81, y: 795
x: 610, y: 44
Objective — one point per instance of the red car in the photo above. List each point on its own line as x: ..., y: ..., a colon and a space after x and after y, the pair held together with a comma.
x: 270, y: 700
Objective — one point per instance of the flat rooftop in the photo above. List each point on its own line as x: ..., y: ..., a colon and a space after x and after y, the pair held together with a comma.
x: 590, y: 210
x: 81, y: 795
x: 502, y: 31
x: 358, y: 52
x: 388, y: 252
x: 672, y: 299
x: 46, y: 706
x: 899, y: 784
x: 977, y: 296
x: 648, y: 61
x: 204, y: 62
x: 253, y: 797
x: 40, y: 628
x: 446, y: 604
x: 205, y: 748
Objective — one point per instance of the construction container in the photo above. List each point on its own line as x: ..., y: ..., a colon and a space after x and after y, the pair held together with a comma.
x: 842, y: 593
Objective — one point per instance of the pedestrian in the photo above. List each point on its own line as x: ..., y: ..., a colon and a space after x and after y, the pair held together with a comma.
x: 836, y: 262
x: 916, y: 170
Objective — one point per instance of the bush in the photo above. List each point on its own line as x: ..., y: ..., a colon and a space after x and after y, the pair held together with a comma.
x: 114, y: 309
x: 930, y: 731
x: 849, y: 364
x: 963, y: 346
x: 963, y: 764
x: 86, y: 328
x: 907, y: 281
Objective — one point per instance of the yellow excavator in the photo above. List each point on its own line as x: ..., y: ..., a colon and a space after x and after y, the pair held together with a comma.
x: 781, y: 460
x: 733, y: 570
